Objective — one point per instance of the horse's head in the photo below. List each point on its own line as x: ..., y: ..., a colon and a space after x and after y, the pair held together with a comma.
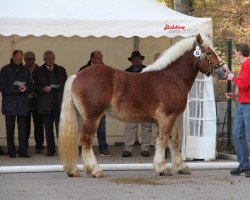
x: 208, y: 61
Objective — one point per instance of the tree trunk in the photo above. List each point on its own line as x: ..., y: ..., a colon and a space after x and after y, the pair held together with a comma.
x: 183, y: 6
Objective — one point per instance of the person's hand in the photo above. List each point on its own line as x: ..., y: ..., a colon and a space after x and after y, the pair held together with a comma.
x: 47, y: 89
x: 33, y: 94
x: 230, y: 76
x: 230, y: 95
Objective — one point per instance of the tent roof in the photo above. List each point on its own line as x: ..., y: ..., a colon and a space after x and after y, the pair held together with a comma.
x: 97, y: 18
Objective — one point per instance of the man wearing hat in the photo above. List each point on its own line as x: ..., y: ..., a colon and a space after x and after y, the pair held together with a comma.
x: 131, y: 129
x: 29, y: 59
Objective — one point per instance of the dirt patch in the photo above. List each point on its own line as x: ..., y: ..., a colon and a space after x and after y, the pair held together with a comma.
x: 137, y: 181
x: 225, y: 180
x: 164, y: 180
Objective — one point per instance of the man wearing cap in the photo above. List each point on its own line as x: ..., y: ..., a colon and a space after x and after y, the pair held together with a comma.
x: 131, y: 129
x: 29, y: 59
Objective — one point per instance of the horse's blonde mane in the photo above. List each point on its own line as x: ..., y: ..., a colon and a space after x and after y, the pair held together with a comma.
x: 171, y: 54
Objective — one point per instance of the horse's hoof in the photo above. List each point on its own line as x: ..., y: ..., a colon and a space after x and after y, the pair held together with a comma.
x: 161, y: 173
x: 88, y: 170
x: 185, y: 171
x: 98, y: 174
x: 166, y: 172
x: 74, y: 174
x: 162, y: 169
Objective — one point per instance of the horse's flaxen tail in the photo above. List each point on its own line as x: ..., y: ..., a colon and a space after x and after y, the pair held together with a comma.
x: 68, y: 130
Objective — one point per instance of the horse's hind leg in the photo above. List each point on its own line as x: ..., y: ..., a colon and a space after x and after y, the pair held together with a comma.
x: 90, y: 164
x: 178, y: 164
x: 69, y: 132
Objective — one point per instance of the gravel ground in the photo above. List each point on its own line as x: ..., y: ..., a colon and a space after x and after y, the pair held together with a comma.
x: 122, y: 185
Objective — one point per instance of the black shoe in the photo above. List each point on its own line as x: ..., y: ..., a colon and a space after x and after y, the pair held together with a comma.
x: 238, y: 171
x: 247, y: 172
x: 12, y: 155
x: 105, y: 153
x: 39, y: 151
x: 137, y: 143
x: 126, y: 154
x: 49, y: 154
x: 145, y: 154
x: 2, y: 153
x: 24, y: 155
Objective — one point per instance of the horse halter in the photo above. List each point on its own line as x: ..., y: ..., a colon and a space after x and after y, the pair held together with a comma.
x: 199, y: 54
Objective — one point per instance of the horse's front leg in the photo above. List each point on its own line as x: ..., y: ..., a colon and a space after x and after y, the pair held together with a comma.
x: 159, y: 163
x: 90, y: 164
x: 165, y: 125
x: 178, y: 164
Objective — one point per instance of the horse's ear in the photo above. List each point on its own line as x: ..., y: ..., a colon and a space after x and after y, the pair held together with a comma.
x: 199, y: 39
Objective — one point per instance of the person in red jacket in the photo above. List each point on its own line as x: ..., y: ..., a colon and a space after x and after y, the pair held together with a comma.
x: 241, y: 129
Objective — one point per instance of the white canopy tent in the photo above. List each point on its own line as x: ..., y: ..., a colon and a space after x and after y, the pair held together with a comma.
x: 72, y: 29
x: 142, y: 18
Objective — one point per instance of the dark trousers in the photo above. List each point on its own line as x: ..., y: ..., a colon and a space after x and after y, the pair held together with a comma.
x: 38, y: 129
x: 48, y: 121
x: 10, y: 131
x: 101, y: 134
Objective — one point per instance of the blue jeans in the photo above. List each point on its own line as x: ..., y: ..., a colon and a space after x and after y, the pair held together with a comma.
x: 241, y: 134
x: 101, y: 134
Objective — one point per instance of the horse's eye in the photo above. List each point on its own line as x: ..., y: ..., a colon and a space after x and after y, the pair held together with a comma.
x: 209, y: 53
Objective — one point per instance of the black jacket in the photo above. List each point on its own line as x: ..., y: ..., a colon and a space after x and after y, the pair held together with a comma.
x: 33, y: 96
x: 84, y: 66
x: 87, y: 65
x: 135, y: 70
x: 14, y: 102
x: 53, y: 100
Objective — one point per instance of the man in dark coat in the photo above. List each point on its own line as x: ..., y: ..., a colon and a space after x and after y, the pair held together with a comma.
x: 30, y: 63
x: 15, y: 84
x: 95, y: 59
x: 49, y: 82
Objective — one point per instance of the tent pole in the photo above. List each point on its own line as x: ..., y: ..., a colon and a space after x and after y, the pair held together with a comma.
x: 12, y: 44
x: 135, y: 43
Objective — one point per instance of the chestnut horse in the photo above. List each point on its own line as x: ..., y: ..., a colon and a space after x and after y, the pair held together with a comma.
x: 158, y: 94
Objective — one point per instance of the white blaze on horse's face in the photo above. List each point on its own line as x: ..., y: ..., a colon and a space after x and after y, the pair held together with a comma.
x: 208, y: 58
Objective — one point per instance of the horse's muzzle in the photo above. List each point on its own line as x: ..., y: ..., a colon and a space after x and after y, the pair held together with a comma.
x: 221, y: 72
